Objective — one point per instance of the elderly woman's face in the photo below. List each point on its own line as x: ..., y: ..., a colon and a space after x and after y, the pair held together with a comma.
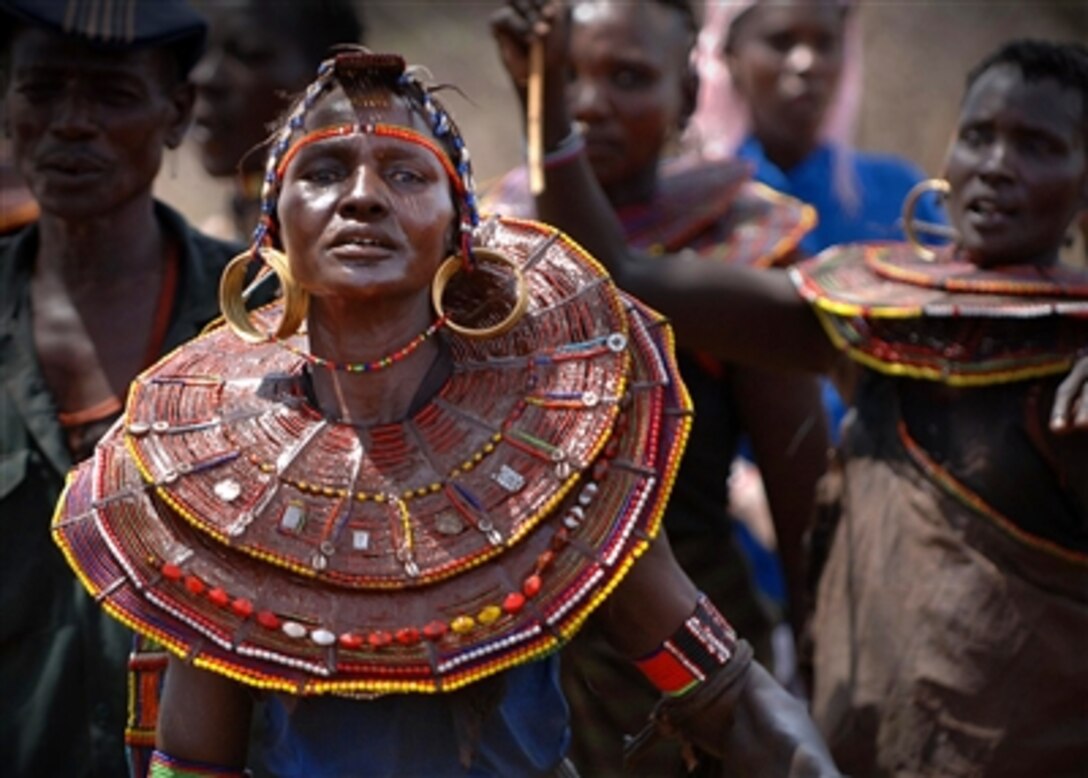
x: 366, y: 216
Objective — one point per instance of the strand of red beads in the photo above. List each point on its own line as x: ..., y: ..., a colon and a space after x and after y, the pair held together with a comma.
x: 374, y: 365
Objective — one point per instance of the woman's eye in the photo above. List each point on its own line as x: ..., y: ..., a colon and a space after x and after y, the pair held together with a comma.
x: 973, y: 136
x: 402, y: 175
x: 780, y: 41
x: 1039, y: 145
x: 629, y: 78
x: 322, y: 174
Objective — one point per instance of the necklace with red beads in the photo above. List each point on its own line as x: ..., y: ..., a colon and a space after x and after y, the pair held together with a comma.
x: 374, y: 365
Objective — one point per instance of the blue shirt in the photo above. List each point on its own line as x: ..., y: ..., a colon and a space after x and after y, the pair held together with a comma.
x: 882, y: 181
x: 409, y: 735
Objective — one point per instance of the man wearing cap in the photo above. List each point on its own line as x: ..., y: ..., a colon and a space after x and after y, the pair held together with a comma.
x: 104, y: 282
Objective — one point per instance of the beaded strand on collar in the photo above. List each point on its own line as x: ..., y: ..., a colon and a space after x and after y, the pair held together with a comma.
x: 374, y: 365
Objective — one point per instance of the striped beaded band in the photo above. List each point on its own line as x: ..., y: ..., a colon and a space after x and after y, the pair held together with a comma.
x: 701, y: 645
x: 165, y: 766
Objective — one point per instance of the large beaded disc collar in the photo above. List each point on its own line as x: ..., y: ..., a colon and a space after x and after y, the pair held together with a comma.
x: 944, y: 318
x: 227, y: 519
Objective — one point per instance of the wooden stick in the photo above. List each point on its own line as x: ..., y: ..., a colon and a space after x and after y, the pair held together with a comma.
x: 534, y: 121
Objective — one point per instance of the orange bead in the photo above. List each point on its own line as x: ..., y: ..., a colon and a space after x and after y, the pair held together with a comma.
x: 531, y: 586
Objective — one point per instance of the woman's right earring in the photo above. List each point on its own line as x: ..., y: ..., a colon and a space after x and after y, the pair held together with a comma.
x: 911, y: 228
x: 296, y: 300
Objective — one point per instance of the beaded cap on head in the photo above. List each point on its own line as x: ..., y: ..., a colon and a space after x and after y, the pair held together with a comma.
x: 357, y: 70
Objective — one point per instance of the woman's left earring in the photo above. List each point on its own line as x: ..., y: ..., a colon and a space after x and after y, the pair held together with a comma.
x: 453, y: 266
x: 911, y: 227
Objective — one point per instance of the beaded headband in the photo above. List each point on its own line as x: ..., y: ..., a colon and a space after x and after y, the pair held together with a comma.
x: 352, y: 71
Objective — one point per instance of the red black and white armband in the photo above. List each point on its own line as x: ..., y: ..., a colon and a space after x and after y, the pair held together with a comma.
x: 703, y: 644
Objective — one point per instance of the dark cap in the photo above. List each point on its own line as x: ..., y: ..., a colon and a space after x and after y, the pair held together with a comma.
x: 120, y: 24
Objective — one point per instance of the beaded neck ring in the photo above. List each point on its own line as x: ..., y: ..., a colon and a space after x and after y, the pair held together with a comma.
x: 374, y: 365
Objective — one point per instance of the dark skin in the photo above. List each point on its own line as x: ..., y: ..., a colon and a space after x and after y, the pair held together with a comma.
x: 786, y: 60
x: 630, y: 87
x: 256, y: 60
x: 366, y: 301
x: 770, y: 325
x: 88, y: 131
x: 251, y: 67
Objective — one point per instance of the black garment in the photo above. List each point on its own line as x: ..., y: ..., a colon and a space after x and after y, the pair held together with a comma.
x: 62, y: 658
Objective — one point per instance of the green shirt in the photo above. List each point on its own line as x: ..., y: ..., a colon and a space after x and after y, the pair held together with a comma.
x: 62, y: 658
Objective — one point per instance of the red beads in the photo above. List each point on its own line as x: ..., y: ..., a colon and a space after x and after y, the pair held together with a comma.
x: 219, y: 597
x: 171, y: 572
x: 351, y: 641
x: 531, y: 586
x: 513, y: 603
x: 544, y: 561
x: 268, y: 620
x: 379, y: 639
x: 242, y: 607
x: 408, y: 636
x: 436, y: 630
x: 194, y: 584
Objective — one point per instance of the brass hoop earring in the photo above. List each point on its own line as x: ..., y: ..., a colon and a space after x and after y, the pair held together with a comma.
x: 910, y: 202
x: 296, y: 301
x: 454, y: 264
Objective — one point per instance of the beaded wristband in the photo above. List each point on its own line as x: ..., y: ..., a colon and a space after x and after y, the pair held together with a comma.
x: 165, y: 766
x: 566, y: 150
x: 701, y: 645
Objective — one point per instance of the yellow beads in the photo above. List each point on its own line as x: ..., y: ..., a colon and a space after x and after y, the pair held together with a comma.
x: 462, y: 624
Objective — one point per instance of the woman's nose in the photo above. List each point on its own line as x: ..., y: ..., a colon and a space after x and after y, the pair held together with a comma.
x: 364, y: 194
x: 801, y: 58
x: 586, y: 100
x: 996, y: 160
x: 208, y: 70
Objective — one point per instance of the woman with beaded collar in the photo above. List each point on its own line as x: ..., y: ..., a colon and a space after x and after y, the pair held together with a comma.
x: 389, y: 522
x: 951, y: 610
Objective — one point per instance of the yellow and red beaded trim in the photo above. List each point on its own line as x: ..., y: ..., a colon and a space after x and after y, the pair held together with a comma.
x: 884, y: 358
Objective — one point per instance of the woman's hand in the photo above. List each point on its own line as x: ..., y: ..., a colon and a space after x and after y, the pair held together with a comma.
x: 517, y: 24
x: 1070, y: 409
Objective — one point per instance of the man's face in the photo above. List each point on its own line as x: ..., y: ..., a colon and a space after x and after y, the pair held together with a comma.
x: 88, y: 126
